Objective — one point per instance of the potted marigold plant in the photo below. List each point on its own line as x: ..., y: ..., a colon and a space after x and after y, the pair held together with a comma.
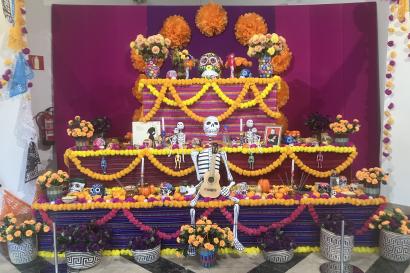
x: 54, y: 183
x: 331, y: 239
x: 342, y: 128
x: 264, y: 47
x: 83, y: 244
x: 372, y: 178
x: 276, y: 246
x: 81, y: 131
x: 154, y: 50
x: 146, y: 248
x: 394, y: 239
x: 21, y: 238
x: 207, y: 237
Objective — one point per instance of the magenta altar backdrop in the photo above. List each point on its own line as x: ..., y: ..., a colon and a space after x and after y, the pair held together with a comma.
x: 334, y: 69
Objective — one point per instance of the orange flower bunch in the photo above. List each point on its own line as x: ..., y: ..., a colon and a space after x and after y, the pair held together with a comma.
x: 240, y: 62
x: 282, y: 61
x: 78, y: 128
x: 342, y: 126
x: 52, y: 179
x: 249, y: 24
x: 11, y: 232
x: 211, y: 19
x: 154, y: 47
x: 372, y: 176
x: 205, y: 234
x: 137, y: 61
x: 292, y: 133
x: 177, y: 30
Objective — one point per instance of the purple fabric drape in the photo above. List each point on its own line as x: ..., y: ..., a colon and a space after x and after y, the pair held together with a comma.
x: 334, y: 69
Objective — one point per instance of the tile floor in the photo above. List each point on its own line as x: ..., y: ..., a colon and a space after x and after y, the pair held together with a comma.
x: 304, y: 263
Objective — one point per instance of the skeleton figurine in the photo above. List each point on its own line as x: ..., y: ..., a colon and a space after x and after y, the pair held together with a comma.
x: 202, y: 163
x: 181, y: 138
x: 252, y: 138
x: 178, y: 161
x: 251, y: 161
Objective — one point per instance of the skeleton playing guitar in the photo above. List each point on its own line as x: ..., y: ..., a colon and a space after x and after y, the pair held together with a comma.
x: 210, y: 187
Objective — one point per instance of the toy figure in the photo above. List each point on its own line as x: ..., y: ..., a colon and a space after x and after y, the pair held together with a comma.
x: 97, y: 189
x: 231, y: 64
x: 251, y: 161
x: 181, y: 138
x: 178, y: 161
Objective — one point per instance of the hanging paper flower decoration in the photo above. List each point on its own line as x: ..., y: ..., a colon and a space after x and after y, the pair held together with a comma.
x: 211, y: 19
x: 282, y: 61
x: 249, y: 24
x: 283, y: 95
x: 176, y: 29
x: 137, y: 61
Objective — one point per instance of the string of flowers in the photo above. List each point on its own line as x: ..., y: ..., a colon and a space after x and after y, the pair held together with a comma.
x: 261, y: 229
x: 156, y: 106
x: 106, y: 218
x: 398, y: 10
x: 323, y: 174
x: 272, y: 166
x: 262, y: 104
x: 285, y: 152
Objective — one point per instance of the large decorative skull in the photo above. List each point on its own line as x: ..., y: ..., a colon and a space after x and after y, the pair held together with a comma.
x: 210, y: 65
x: 76, y: 185
x: 211, y: 126
x: 180, y: 126
x: 249, y: 123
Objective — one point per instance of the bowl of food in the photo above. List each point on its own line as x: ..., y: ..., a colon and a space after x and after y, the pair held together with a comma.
x: 69, y: 199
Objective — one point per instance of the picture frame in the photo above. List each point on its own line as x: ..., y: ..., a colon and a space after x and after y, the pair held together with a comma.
x: 140, y: 132
x: 273, y: 135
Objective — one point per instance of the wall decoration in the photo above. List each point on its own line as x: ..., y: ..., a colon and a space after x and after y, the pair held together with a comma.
x: 273, y: 135
x: 145, y: 130
x: 211, y: 19
x: 176, y: 29
x: 248, y: 25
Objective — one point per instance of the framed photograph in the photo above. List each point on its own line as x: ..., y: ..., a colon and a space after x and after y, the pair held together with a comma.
x: 273, y: 135
x: 142, y: 132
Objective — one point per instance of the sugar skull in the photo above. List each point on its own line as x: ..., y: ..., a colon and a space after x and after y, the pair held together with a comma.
x: 166, y: 189
x: 97, y: 189
x: 76, y: 185
x: 172, y: 74
x: 210, y: 65
x: 245, y: 73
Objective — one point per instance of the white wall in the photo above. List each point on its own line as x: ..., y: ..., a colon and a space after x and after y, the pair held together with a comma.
x: 39, y: 27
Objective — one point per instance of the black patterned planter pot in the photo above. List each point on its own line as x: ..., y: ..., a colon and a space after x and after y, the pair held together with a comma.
x: 279, y: 256
x: 24, y: 252
x: 147, y: 256
x: 394, y: 246
x: 330, y: 246
x: 82, y: 260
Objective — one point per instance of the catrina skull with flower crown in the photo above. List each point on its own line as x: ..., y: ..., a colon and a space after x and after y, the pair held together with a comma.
x: 210, y: 65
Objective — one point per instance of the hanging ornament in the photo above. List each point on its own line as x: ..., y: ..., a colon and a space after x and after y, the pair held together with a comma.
x: 319, y: 160
x: 104, y: 165
x: 251, y: 161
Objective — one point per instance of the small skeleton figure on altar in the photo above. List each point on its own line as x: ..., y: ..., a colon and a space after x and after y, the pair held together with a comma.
x: 251, y: 161
x: 177, y: 161
x: 230, y: 61
x: 249, y: 133
x: 319, y: 160
x: 104, y: 165
x: 181, y: 138
x: 207, y: 164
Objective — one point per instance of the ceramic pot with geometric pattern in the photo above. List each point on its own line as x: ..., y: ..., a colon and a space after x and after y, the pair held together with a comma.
x: 23, y: 252
x: 82, y: 260
x: 330, y: 246
x: 279, y: 256
x: 147, y: 256
x: 394, y: 246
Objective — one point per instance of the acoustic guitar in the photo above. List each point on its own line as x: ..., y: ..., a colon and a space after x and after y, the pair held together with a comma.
x: 210, y: 186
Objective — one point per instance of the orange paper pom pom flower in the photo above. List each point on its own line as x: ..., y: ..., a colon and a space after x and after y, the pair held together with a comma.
x: 282, y: 61
x: 177, y: 30
x: 211, y: 19
x: 249, y: 24
x: 137, y: 61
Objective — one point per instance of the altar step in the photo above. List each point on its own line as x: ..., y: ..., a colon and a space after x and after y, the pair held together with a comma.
x: 306, y: 263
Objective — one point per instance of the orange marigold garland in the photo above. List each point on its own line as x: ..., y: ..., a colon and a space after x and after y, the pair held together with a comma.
x: 282, y: 61
x: 283, y: 95
x: 176, y: 29
x: 249, y: 24
x: 211, y: 19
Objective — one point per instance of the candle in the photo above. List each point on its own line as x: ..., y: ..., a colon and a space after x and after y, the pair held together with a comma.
x: 241, y: 125
x: 163, y: 123
x: 142, y: 166
x: 293, y: 166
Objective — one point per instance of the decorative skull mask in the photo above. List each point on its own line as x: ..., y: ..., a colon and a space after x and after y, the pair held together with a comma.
x: 249, y: 123
x: 180, y: 126
x: 210, y: 65
x: 76, y: 185
x: 97, y: 189
x: 211, y: 126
